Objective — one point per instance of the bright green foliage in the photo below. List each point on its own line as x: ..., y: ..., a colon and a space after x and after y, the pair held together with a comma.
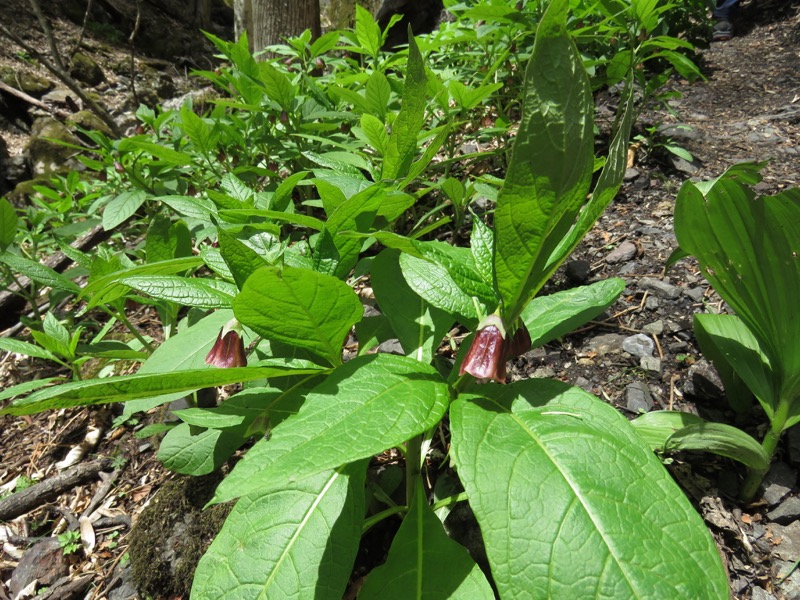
x: 341, y: 170
x: 611, y: 526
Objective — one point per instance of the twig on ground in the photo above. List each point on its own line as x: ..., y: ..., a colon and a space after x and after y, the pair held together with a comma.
x: 65, y: 78
x: 102, y: 492
x: 23, y: 96
x: 30, y: 498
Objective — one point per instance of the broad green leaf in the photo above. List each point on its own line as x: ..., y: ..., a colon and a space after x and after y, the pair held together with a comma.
x: 9, y: 220
x: 199, y: 132
x: 409, y: 122
x: 108, y: 288
x: 367, y: 31
x: 335, y: 254
x: 242, y: 260
x: 572, y: 504
x: 739, y: 395
x: 277, y: 85
x: 196, y: 451
x: 188, y: 206
x: 167, y: 155
x: 424, y: 563
x: 419, y: 326
x: 551, y: 164
x: 38, y: 272
x: 122, y: 207
x: 375, y: 131
x: 300, y: 308
x: 723, y: 440
x: 186, y: 291
x: 550, y: 317
x: 282, y: 198
x: 481, y: 244
x: 747, y: 249
x: 299, y: 541
x: 130, y: 387
x: 727, y: 337
x: 377, y: 93
x: 656, y: 426
x: 25, y: 348
x: 367, y: 405
x: 608, y: 184
x: 159, y: 244
x: 27, y: 386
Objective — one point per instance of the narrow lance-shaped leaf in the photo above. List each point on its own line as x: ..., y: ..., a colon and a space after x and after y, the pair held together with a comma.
x: 551, y: 164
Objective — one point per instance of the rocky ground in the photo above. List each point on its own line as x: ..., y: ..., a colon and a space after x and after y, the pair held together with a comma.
x: 640, y: 356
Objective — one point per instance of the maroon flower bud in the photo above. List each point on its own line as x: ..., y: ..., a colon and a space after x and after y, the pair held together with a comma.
x: 486, y: 358
x: 118, y: 167
x: 228, y: 350
x: 519, y: 343
x: 284, y: 117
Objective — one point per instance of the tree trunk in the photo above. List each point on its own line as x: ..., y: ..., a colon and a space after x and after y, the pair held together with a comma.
x: 243, y: 20
x: 275, y: 20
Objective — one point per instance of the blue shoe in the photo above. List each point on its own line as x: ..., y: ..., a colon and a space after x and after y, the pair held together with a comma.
x: 723, y: 31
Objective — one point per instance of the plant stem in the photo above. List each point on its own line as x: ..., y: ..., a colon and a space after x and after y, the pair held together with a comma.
x: 384, y: 514
x: 120, y: 316
x: 413, y: 463
x: 770, y: 444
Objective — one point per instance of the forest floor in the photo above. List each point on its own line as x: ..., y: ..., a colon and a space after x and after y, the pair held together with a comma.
x: 747, y: 109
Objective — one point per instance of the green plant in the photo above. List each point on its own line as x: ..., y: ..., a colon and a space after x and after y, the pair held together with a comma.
x: 569, y: 501
x: 746, y: 247
x: 70, y: 542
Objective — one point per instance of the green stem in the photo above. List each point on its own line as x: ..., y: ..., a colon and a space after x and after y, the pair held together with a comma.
x: 120, y: 316
x: 462, y: 497
x: 770, y: 444
x: 413, y: 464
x: 384, y: 514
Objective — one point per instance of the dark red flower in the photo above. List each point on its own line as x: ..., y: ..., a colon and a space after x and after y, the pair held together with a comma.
x: 486, y: 357
x: 519, y: 343
x: 228, y: 350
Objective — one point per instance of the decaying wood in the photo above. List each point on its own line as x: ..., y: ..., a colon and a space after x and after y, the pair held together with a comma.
x: 23, y: 96
x: 30, y: 498
x: 67, y: 588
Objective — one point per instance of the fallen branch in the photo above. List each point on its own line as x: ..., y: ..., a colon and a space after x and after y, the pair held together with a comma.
x: 65, y: 78
x: 23, y: 96
x: 40, y: 493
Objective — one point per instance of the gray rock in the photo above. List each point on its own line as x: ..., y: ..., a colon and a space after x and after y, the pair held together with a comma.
x: 44, y: 562
x: 679, y: 131
x: 661, y: 289
x: 654, y: 328
x: 622, y: 253
x: 638, y: 398
x: 608, y: 343
x: 86, y: 70
x: 684, y: 166
x: 703, y: 382
x: 391, y: 347
x: 652, y: 303
x: 789, y: 536
x: 584, y: 384
x: 125, y: 589
x: 760, y: 593
x: 695, y: 293
x: 790, y: 586
x: 786, y: 512
x: 639, y: 345
x: 578, y: 271
x: 778, y: 482
x: 651, y: 365
x: 631, y: 173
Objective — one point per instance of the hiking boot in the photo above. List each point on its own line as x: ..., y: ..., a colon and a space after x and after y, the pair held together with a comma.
x: 723, y: 31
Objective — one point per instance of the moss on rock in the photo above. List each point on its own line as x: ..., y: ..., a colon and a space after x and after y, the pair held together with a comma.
x: 86, y: 70
x: 172, y: 533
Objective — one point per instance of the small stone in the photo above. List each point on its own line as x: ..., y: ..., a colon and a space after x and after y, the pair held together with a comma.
x: 44, y: 562
x: 577, y: 271
x: 651, y: 365
x: 695, y: 293
x: 789, y: 548
x: 760, y: 593
x: 631, y: 173
x: 652, y: 303
x: 703, y: 382
x: 608, y: 343
x: 638, y: 398
x: 622, y: 253
x: 789, y: 577
x: 639, y: 345
x: 584, y: 384
x: 787, y: 511
x: 544, y: 373
x: 86, y: 70
x: 662, y: 289
x: 654, y: 328
x: 778, y: 482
